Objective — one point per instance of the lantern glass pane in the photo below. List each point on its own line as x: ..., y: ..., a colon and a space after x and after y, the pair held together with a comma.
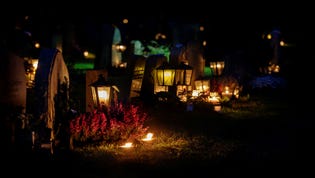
x: 94, y: 96
x: 165, y: 77
x: 217, y: 67
x: 160, y: 77
x: 168, y: 77
x: 198, y: 85
x: 202, y: 85
x: 188, y: 77
x: 179, y: 77
x: 213, y: 67
x: 103, y: 95
x: 220, y: 67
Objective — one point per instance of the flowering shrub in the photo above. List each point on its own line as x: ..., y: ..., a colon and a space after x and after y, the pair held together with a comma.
x: 121, y: 122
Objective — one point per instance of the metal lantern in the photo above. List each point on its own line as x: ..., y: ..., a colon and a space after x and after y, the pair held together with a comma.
x: 101, y: 92
x: 202, y: 85
x: 165, y: 74
x: 217, y: 67
x: 183, y: 74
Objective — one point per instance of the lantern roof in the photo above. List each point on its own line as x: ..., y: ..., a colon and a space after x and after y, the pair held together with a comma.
x: 164, y: 66
x: 201, y: 77
x: 184, y: 66
x: 101, y: 81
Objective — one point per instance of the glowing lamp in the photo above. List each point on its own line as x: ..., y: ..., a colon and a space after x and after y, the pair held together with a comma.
x: 165, y: 75
x: 120, y: 47
x: 217, y: 108
x: 202, y: 85
x: 183, y: 74
x: 227, y: 92
x: 217, y: 67
x: 102, y: 92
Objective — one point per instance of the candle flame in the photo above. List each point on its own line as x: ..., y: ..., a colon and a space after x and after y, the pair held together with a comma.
x: 127, y: 145
x: 148, y: 137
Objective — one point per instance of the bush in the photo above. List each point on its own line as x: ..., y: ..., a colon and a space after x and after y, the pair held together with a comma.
x: 120, y: 123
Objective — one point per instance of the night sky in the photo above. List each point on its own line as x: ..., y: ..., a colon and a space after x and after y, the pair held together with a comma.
x: 228, y: 26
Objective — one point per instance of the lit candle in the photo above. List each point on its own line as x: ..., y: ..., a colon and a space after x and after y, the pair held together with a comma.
x: 148, y: 137
x: 127, y: 145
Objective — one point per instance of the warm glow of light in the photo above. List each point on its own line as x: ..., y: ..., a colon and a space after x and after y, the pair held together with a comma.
x: 37, y: 45
x: 204, y: 43
x: 202, y: 85
x: 282, y: 43
x: 227, y: 92
x: 123, y: 65
x: 201, y: 28
x: 160, y: 36
x: 217, y: 67
x: 269, y: 36
x: 85, y: 53
x: 127, y: 145
x: 276, y: 69
x: 35, y: 64
x: 148, y: 137
x: 121, y: 47
x: 88, y: 55
x: 236, y: 93
x: 125, y: 21
x: 103, y: 96
x: 273, y: 68
x: 195, y: 93
x: 167, y: 74
x: 31, y: 72
x: 214, y: 97
x: 214, y: 94
x: 217, y: 108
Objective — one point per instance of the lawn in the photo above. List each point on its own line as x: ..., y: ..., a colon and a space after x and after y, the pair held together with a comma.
x: 251, y: 138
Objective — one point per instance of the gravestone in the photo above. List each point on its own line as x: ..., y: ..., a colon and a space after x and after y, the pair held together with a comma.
x: 116, y: 54
x: 12, y: 96
x: 51, y: 74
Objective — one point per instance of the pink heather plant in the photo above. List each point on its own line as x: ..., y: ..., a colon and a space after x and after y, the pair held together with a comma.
x: 121, y: 122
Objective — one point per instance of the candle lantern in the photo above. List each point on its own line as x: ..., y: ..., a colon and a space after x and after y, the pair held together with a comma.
x: 217, y: 67
x: 102, y: 92
x: 165, y: 74
x: 183, y: 74
x: 202, y: 85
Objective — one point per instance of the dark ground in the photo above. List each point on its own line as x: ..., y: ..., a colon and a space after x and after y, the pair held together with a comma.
x: 271, y: 147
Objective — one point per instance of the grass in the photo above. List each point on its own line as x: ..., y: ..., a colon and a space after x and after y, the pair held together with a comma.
x: 244, y: 139
x: 165, y: 146
x: 201, y: 134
